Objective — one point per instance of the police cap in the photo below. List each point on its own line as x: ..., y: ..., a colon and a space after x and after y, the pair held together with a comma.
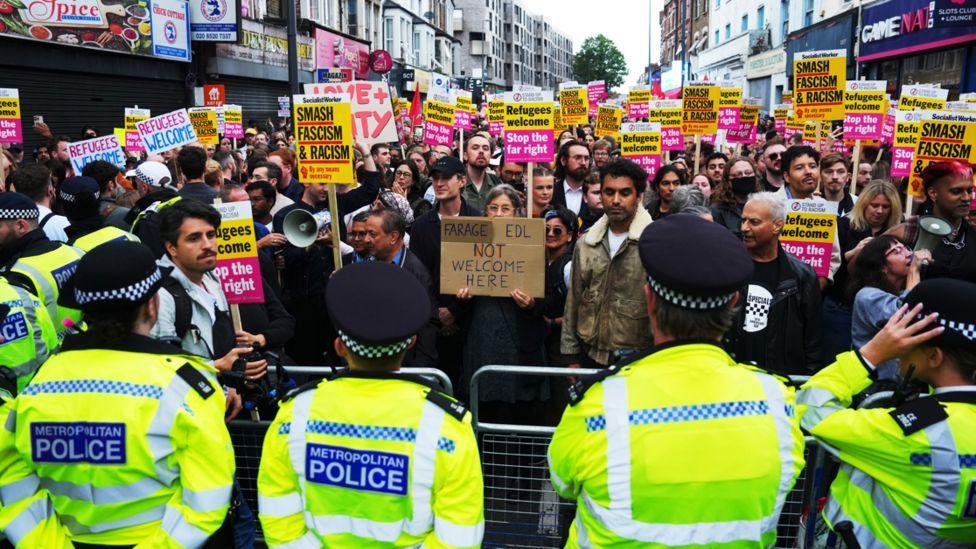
x: 377, y: 308
x: 114, y: 275
x: 73, y: 187
x: 15, y: 206
x: 955, y: 301
x: 693, y: 263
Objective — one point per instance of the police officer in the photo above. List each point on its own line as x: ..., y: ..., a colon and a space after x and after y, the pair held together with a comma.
x: 27, y: 336
x: 79, y: 197
x: 680, y: 445
x: 372, y: 456
x: 908, y: 473
x: 126, y: 433
x: 29, y: 260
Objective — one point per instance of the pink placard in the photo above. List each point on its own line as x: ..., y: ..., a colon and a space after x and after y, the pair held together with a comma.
x: 779, y: 125
x: 728, y: 118
x: 650, y: 162
x: 529, y: 146
x: 10, y: 131
x: 495, y: 128
x: 742, y: 133
x: 438, y: 134
x: 888, y: 129
x: 901, y: 161
x: 596, y: 92
x: 814, y: 254
x: 863, y: 125
x: 462, y: 120
x: 638, y: 110
x: 234, y: 130
x: 671, y: 139
x: 240, y: 279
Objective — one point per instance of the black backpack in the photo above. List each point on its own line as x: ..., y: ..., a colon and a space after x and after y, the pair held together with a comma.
x: 223, y: 340
x: 146, y: 226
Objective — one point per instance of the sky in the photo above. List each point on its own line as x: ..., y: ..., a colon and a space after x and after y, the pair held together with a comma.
x: 623, y: 21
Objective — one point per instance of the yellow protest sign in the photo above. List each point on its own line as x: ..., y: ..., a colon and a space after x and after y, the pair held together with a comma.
x: 438, y: 120
x: 819, y: 79
x: 787, y: 97
x: 119, y: 134
x: 637, y: 99
x: 667, y: 113
x: 323, y: 138
x: 943, y: 136
x: 574, y: 105
x: 641, y: 143
x: 496, y: 115
x: 204, y: 120
x: 699, y: 108
x: 132, y: 142
x: 558, y: 125
x: 922, y: 98
x: 608, y: 119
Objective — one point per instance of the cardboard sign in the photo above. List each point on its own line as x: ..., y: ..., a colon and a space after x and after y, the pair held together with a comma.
x: 943, y: 136
x: 699, y: 108
x: 529, y: 123
x: 574, y: 105
x: 809, y: 232
x: 819, y: 80
x: 323, y: 139
x: 864, y: 109
x: 233, y: 122
x: 10, y: 128
x: 596, y: 93
x: 237, y: 254
x: 213, y: 95
x: 204, y: 120
x: 922, y: 98
x: 608, y: 119
x: 372, y: 108
x: 492, y: 257
x: 496, y: 115
x: 166, y: 131
x: 132, y: 116
x: 667, y: 112
x: 105, y: 148
x: 637, y: 100
x: 462, y: 109
x: 748, y: 115
x: 438, y: 120
x: 640, y: 142
x: 729, y: 105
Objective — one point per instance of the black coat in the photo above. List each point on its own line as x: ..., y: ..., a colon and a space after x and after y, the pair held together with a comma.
x: 424, y: 351
x: 559, y: 199
x: 793, y: 327
x: 425, y: 243
x: 199, y: 191
x: 269, y: 319
x: 728, y: 216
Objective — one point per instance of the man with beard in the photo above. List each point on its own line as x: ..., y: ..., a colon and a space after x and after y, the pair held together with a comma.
x: 715, y: 168
x: 477, y: 153
x: 835, y: 176
x: 772, y: 162
x: 572, y: 167
x: 607, y: 270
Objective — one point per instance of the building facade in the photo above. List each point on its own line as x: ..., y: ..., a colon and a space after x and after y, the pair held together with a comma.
x: 536, y: 53
x: 478, y: 28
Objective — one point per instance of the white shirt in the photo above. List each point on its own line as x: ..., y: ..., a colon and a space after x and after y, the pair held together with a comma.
x: 616, y: 241
x: 574, y: 198
x: 54, y: 228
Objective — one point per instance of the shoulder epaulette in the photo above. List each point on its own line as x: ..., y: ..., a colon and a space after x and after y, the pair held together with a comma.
x: 197, y: 381
x: 918, y: 414
x: 446, y: 403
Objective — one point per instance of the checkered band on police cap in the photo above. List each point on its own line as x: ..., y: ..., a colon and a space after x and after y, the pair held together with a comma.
x: 687, y: 301
x: 136, y: 292
x: 374, y: 351
x: 67, y: 197
x: 16, y: 213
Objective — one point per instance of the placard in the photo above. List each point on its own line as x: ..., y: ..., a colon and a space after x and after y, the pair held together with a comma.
x: 372, y: 108
x: 608, y: 120
x: 492, y: 257
x: 166, y: 131
x: 132, y: 116
x: 864, y: 109
x: 637, y: 100
x: 529, y: 123
x: 204, y: 120
x: 819, y: 80
x: 496, y: 115
x: 747, y: 128
x: 667, y: 112
x: 640, y: 142
x: 943, y: 136
x: 699, y: 108
x: 905, y: 140
x: 729, y: 104
x: 596, y: 93
x: 574, y: 104
x: 922, y: 98
x: 10, y: 127
x: 438, y: 120
x: 809, y: 232
x: 214, y: 95
x: 323, y: 139
x: 888, y: 127
x: 233, y: 122
x: 105, y: 148
x: 237, y: 254
x: 462, y: 109
x: 779, y: 116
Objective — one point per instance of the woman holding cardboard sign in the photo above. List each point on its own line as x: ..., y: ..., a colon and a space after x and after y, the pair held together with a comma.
x: 507, y: 331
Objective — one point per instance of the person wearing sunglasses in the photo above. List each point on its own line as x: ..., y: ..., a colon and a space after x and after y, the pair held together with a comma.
x: 772, y: 162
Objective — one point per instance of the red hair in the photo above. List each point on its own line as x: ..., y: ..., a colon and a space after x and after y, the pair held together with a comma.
x: 950, y: 168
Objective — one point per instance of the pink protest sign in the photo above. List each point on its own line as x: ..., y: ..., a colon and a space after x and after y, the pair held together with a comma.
x: 640, y: 142
x: 667, y: 112
x: 864, y: 109
x: 904, y: 141
x: 237, y: 254
x: 233, y: 122
x: 10, y: 127
x: 596, y: 93
x: 529, y: 123
x: 809, y: 232
x: 438, y: 121
x: 729, y: 105
x: 888, y: 128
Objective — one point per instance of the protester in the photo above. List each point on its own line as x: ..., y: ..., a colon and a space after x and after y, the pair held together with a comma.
x: 779, y: 324
x: 34, y: 181
x: 600, y: 153
x: 773, y: 167
x: 406, y: 183
x: 864, y: 175
x: 704, y: 185
x: 572, y: 167
x: 835, y: 181
x: 479, y: 181
x: 542, y: 190
x: 604, y: 315
x: 193, y: 162
x: 357, y: 240
x: 738, y: 182
x: 288, y: 186
x: 592, y: 200
x: 715, y: 167
x: 272, y: 173
x: 513, y: 173
x: 106, y: 176
x: 666, y: 180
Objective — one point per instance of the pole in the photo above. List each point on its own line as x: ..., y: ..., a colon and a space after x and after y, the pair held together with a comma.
x: 817, y: 126
x: 855, y: 161
x: 684, y: 50
x: 336, y: 236
x: 292, y: 21
x: 908, y: 201
x: 695, y: 169
x: 528, y: 191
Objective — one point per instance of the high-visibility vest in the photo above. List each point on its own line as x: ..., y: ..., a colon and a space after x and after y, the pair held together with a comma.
x: 908, y: 474
x: 679, y: 447
x: 130, y: 443
x: 27, y: 335
x: 364, y: 462
x: 106, y: 234
x: 48, y: 272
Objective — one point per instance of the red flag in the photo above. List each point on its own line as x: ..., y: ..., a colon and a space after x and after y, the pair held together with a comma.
x: 415, y: 107
x: 656, y: 90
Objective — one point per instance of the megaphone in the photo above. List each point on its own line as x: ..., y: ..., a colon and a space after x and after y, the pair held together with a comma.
x: 302, y: 227
x: 931, y: 230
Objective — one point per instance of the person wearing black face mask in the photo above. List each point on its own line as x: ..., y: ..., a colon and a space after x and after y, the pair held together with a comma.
x: 738, y: 182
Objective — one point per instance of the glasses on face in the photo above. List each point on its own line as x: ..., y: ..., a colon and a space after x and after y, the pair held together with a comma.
x: 773, y: 156
x: 898, y: 249
x: 554, y: 231
x: 402, y: 174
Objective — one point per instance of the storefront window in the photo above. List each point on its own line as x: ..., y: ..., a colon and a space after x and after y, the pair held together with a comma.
x: 941, y: 67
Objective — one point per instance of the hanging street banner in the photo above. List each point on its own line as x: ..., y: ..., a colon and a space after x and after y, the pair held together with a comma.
x: 166, y: 131
x: 237, y: 254
x: 323, y: 138
x: 529, y: 123
x: 865, y: 108
x: 640, y: 142
x: 819, y: 80
x: 699, y: 108
x: 667, y: 112
x: 10, y: 128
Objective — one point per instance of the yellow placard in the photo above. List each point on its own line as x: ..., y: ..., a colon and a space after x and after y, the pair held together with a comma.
x: 730, y: 97
x: 943, y: 136
x: 496, y: 111
x: 749, y: 115
x: 608, y: 119
x: 922, y: 98
x: 233, y: 116
x: 120, y: 135
x: 865, y: 102
x: 236, y: 239
x: 530, y: 116
x: 787, y: 97
x: 640, y: 143
x: 666, y: 112
x: 463, y: 103
x: 323, y: 139
x: 558, y: 125
x: 574, y: 106
x: 204, y: 120
x: 819, y: 79
x: 699, y: 108
x: 439, y: 112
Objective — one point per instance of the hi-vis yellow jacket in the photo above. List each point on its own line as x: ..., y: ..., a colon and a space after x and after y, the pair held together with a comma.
x: 679, y: 447
x: 371, y: 462
x: 130, y: 443
x: 908, y: 474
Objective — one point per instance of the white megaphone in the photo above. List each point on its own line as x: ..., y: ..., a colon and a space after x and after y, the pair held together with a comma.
x: 302, y: 227
x: 931, y: 230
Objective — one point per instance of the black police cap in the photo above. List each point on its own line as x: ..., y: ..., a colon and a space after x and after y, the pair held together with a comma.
x: 15, y: 206
x: 694, y: 263
x: 955, y: 301
x: 447, y: 165
x: 377, y: 308
x: 112, y: 276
